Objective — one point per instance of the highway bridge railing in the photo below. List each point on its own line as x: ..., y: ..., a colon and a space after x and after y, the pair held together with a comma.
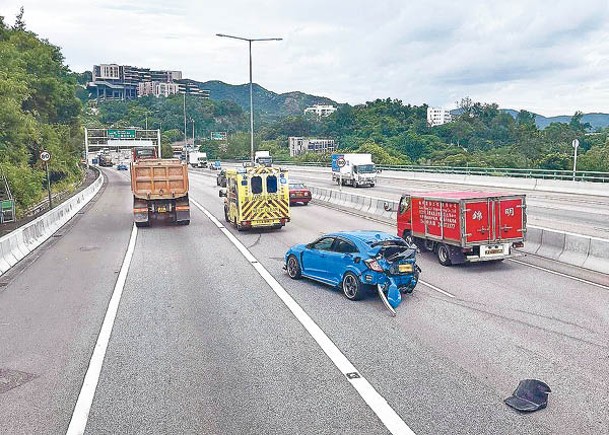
x: 544, y: 174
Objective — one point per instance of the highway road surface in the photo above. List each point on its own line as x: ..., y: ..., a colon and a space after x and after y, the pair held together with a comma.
x: 212, y: 337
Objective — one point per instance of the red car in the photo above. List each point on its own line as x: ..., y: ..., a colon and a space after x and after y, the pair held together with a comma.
x: 299, y: 193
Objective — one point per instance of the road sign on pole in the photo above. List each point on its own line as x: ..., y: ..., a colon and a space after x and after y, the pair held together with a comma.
x: 45, y: 156
x: 341, y: 162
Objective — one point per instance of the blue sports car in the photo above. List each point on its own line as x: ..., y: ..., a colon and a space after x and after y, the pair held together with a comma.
x: 356, y: 261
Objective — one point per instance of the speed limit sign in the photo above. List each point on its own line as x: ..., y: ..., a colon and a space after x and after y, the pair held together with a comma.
x: 341, y: 162
x: 45, y: 156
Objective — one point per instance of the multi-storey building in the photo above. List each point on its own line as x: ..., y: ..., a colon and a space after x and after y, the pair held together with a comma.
x: 438, y: 116
x: 123, y: 82
x: 157, y: 89
x: 301, y: 145
x: 321, y: 109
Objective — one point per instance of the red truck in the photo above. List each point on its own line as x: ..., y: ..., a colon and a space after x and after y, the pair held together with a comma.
x: 462, y: 227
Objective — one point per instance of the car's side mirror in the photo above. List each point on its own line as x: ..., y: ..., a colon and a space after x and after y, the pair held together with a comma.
x: 388, y: 207
x: 222, y: 193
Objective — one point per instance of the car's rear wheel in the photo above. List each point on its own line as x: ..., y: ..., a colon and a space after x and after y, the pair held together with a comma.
x: 352, y: 287
x: 293, y: 267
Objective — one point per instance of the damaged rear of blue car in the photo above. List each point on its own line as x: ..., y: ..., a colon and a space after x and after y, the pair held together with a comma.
x: 357, y: 262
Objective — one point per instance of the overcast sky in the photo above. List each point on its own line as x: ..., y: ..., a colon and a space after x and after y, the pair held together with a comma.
x: 549, y: 57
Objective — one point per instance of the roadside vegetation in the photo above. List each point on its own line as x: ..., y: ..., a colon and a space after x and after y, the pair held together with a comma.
x: 396, y: 134
x: 38, y: 111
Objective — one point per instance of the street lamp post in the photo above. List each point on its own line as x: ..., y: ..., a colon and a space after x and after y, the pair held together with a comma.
x: 250, y: 40
x: 575, y: 145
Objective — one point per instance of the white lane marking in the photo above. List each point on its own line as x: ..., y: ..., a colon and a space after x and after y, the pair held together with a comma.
x: 574, y: 278
x: 78, y: 423
x: 373, y: 399
x: 433, y: 287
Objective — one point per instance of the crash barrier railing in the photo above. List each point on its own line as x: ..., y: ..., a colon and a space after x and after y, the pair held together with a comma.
x: 574, y: 249
x: 55, y: 198
x: 544, y: 174
x: 20, y: 242
x: 533, y: 184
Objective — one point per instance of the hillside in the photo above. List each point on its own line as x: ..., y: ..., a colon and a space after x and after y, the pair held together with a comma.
x: 266, y: 102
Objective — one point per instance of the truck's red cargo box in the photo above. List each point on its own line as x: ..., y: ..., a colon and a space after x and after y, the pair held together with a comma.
x: 488, y: 221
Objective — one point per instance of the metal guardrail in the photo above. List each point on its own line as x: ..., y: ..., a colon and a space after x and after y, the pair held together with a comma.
x: 55, y: 198
x: 546, y: 174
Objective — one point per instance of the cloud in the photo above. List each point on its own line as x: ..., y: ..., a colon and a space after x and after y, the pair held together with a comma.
x: 550, y: 57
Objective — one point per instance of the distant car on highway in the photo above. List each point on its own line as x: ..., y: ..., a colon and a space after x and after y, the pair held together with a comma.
x: 299, y: 193
x: 121, y: 167
x: 215, y: 165
x: 221, y: 178
x: 357, y: 262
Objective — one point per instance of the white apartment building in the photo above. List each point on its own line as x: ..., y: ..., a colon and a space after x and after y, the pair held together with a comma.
x: 321, y: 109
x: 438, y: 116
x: 301, y: 145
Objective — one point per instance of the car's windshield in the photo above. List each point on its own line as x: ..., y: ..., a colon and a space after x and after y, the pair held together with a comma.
x: 365, y: 169
x: 297, y: 186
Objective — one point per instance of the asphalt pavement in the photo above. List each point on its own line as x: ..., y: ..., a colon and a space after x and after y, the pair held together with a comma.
x: 202, y: 344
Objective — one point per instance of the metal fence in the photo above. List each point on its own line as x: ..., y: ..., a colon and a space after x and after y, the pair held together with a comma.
x: 548, y: 174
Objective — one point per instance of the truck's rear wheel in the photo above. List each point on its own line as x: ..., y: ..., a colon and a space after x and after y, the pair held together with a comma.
x: 444, y: 255
x: 186, y: 222
x: 226, y: 215
x: 142, y: 224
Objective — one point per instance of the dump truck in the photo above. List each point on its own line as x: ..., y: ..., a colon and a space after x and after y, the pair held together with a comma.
x: 462, y: 227
x: 355, y: 169
x: 256, y: 197
x: 160, y: 188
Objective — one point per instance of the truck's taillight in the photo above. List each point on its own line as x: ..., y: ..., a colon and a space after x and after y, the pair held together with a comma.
x: 373, y: 265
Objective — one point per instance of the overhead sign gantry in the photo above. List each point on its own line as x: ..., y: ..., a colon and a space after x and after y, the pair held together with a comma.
x: 116, y: 139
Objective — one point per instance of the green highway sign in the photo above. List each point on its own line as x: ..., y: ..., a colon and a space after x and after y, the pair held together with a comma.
x: 218, y: 135
x: 121, y: 134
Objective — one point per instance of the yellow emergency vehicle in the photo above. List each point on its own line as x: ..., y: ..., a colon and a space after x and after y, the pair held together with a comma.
x: 256, y: 197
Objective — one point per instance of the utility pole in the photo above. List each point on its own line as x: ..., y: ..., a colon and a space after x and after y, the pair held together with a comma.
x: 185, y: 138
x: 575, y: 145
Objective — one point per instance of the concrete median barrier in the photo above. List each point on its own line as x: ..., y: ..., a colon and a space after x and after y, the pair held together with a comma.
x: 20, y: 242
x: 576, y: 250
x: 532, y: 240
x: 598, y: 256
x: 552, y: 244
